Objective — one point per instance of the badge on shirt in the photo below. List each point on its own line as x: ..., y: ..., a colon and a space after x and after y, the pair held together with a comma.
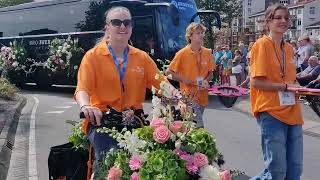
x: 287, y: 98
x: 200, y: 82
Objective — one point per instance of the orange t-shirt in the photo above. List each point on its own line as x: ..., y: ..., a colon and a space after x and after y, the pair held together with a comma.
x: 191, y: 66
x: 99, y: 77
x: 264, y: 63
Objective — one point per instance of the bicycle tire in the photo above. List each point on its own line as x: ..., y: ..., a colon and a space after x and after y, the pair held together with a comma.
x: 227, y: 101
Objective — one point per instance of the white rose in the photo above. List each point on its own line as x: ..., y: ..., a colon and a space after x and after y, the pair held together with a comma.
x: 209, y: 172
x: 15, y: 64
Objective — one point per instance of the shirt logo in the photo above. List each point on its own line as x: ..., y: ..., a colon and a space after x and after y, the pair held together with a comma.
x: 138, y: 70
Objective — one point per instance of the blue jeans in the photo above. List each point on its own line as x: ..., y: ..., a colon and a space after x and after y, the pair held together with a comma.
x: 198, y: 110
x: 282, y: 147
x: 101, y: 142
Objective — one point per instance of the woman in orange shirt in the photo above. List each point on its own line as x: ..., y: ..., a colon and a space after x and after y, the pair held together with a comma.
x: 192, y: 67
x: 114, y: 74
x: 273, y: 103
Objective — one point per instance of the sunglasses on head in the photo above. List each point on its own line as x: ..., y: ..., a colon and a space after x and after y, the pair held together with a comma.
x: 118, y: 22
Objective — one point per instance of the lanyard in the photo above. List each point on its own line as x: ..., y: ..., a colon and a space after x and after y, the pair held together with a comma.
x: 282, y: 62
x: 125, y: 60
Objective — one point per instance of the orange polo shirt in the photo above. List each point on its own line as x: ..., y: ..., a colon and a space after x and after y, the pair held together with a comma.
x: 191, y: 66
x: 99, y: 77
x: 264, y: 63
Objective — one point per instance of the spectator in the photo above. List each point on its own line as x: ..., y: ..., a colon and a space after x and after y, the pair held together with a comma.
x: 227, y: 65
x: 236, y: 67
x: 243, y: 61
x: 245, y: 83
x: 305, y: 50
x: 310, y: 73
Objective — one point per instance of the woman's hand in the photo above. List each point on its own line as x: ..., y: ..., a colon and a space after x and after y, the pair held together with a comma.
x: 294, y: 87
x: 94, y: 114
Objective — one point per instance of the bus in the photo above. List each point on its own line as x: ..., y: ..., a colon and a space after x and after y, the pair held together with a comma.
x: 159, y: 29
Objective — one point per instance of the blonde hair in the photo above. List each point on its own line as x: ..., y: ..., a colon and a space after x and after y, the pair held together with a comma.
x: 270, y: 12
x: 115, y: 9
x: 192, y: 28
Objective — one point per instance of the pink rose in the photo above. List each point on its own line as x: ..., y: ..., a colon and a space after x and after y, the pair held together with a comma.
x: 176, y: 127
x: 225, y: 175
x: 161, y: 134
x: 200, y: 160
x: 135, y: 176
x: 191, y: 167
x: 156, y: 123
x: 114, y: 173
x: 135, y: 163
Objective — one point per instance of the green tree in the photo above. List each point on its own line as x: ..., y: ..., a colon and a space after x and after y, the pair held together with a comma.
x: 228, y: 9
x: 5, y: 3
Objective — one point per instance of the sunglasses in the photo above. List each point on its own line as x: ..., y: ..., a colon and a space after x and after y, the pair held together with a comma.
x: 118, y: 22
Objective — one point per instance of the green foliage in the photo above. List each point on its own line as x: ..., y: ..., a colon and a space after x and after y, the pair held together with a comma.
x: 5, y: 3
x: 317, y: 47
x: 162, y: 165
x: 78, y: 138
x: 7, y: 90
x: 200, y: 140
x: 145, y: 133
x: 117, y: 158
x: 229, y: 9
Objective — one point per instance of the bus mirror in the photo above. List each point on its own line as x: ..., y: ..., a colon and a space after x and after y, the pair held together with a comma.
x: 174, y: 13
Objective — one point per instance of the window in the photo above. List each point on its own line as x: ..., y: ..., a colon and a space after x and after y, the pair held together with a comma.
x: 299, y: 11
x: 312, y: 10
x: 249, y: 2
x: 249, y: 10
x: 299, y: 22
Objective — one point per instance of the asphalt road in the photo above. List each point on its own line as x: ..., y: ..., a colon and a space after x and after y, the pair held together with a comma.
x: 237, y: 134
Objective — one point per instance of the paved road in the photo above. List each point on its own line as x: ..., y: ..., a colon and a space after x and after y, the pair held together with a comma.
x: 237, y: 136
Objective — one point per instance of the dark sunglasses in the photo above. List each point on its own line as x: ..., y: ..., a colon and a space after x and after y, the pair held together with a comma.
x: 118, y: 22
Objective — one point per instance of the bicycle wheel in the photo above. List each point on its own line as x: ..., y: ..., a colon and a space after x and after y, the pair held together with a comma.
x: 227, y: 101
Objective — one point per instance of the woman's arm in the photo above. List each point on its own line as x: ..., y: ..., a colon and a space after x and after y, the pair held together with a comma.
x: 177, y: 77
x: 94, y: 114
x: 266, y: 85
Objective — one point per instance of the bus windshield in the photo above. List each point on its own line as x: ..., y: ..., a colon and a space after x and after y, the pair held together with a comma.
x: 173, y: 33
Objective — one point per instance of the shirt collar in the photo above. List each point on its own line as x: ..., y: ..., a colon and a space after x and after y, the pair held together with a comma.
x: 192, y: 52
x: 103, y: 50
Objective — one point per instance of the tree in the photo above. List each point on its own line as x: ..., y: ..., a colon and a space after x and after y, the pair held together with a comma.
x: 5, y: 3
x: 228, y: 9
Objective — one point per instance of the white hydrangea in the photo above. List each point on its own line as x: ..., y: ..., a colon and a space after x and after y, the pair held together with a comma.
x: 209, y: 172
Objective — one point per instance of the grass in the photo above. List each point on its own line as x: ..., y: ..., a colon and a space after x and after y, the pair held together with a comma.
x: 7, y: 90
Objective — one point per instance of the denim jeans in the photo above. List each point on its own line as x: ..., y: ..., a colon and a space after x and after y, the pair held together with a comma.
x: 198, y: 110
x: 101, y: 142
x: 282, y: 147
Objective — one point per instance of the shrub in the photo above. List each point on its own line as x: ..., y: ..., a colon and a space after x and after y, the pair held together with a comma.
x: 7, y: 90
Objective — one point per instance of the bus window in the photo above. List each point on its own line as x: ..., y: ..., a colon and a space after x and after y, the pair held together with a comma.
x: 143, y: 36
x: 173, y: 34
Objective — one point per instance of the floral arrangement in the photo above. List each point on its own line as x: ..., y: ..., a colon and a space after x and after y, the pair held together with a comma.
x: 78, y: 138
x: 171, y: 147
x: 14, y: 61
x: 64, y: 55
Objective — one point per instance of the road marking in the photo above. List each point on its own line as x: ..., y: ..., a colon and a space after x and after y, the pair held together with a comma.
x: 62, y: 107
x: 73, y: 102
x: 54, y: 112
x: 33, y: 172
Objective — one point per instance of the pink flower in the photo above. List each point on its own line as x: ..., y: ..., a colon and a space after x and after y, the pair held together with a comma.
x: 200, y: 160
x: 135, y: 176
x: 161, y: 134
x: 114, y: 173
x: 176, y: 127
x: 191, y: 167
x: 183, y: 155
x: 225, y: 175
x: 156, y: 123
x: 135, y: 163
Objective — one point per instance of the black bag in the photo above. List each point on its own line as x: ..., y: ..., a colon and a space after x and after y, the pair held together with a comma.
x: 64, y: 160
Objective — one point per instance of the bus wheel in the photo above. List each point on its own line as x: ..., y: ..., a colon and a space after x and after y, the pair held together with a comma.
x: 228, y: 101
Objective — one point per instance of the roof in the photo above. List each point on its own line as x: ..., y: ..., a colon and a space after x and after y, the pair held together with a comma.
x: 314, y: 25
x: 299, y: 4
